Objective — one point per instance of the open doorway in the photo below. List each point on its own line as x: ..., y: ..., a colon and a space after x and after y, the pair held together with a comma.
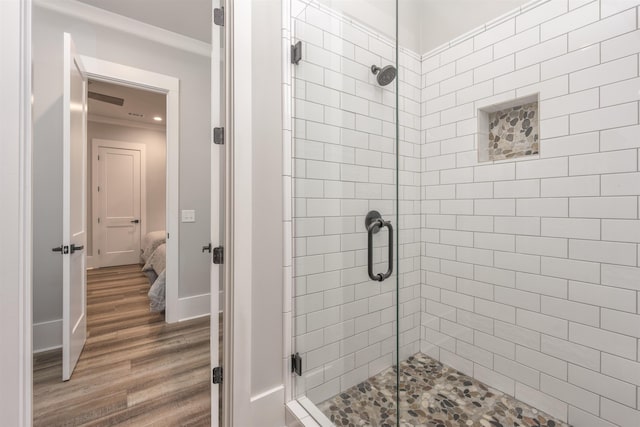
x: 133, y: 363
x: 126, y: 161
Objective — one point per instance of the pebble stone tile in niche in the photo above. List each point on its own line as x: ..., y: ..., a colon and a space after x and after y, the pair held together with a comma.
x: 513, y: 132
x: 431, y: 395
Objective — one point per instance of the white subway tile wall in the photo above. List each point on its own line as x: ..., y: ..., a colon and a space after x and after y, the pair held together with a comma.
x: 522, y: 273
x: 344, y: 166
x: 538, y: 258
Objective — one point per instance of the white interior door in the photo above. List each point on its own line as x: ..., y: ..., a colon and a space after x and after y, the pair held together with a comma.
x: 74, y: 317
x: 217, y: 172
x: 118, y: 192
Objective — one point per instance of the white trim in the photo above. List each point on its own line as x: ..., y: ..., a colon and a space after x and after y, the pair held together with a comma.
x: 47, y: 335
x: 96, y: 118
x: 98, y: 237
x: 97, y: 16
x: 90, y: 265
x: 239, y: 235
x: 267, y: 408
x: 299, y: 414
x: 16, y: 214
x: 112, y: 72
x: 216, y: 233
x: 287, y: 202
x: 315, y: 413
x: 194, y: 307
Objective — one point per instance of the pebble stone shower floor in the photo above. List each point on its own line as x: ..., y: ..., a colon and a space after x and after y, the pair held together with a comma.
x: 431, y: 395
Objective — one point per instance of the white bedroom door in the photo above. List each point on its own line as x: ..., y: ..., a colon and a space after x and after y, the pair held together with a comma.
x: 217, y: 206
x: 118, y: 192
x: 74, y: 319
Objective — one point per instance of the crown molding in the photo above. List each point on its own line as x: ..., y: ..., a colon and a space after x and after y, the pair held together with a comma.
x: 125, y: 24
x: 96, y: 118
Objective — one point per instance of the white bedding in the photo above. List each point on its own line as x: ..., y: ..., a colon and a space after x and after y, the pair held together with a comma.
x: 154, y: 269
x: 150, y: 243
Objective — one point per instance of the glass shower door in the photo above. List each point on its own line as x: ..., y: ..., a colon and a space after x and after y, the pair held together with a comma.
x: 346, y: 227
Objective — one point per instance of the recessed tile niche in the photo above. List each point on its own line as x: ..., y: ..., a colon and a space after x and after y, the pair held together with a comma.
x: 509, y: 129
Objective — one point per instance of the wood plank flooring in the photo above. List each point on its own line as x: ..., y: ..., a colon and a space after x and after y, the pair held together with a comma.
x: 135, y: 369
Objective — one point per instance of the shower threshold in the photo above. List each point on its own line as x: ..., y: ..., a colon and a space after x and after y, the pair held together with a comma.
x: 431, y: 395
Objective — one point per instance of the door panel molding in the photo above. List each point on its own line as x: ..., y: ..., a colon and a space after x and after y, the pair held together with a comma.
x: 96, y: 144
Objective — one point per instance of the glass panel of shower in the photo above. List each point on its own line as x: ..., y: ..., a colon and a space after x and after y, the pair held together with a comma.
x: 356, y: 267
x: 515, y: 251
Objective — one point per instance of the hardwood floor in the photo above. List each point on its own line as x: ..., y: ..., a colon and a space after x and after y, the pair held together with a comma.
x: 135, y: 370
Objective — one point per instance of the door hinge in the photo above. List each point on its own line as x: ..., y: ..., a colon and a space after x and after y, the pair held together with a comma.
x: 296, y: 364
x: 218, y: 16
x: 296, y: 53
x: 217, y: 375
x: 218, y: 255
x: 98, y: 157
x: 98, y: 251
x: 98, y: 220
x: 218, y: 135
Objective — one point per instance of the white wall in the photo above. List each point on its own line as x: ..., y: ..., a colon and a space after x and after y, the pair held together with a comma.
x: 423, y: 24
x: 105, y: 43
x: 155, y: 143
x: 256, y: 154
x: 531, y: 267
x: 266, y: 18
x: 380, y: 16
x: 441, y: 21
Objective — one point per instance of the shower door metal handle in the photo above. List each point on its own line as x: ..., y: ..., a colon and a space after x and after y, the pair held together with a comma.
x: 373, y: 227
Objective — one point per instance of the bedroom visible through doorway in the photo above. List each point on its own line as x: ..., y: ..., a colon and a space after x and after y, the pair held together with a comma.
x: 126, y: 138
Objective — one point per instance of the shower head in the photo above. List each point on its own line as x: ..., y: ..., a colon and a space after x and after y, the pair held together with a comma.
x: 384, y: 75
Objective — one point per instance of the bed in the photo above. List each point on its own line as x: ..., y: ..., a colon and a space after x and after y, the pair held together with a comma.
x: 154, y: 256
x: 150, y: 243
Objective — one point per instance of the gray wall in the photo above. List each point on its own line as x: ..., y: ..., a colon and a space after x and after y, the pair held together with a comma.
x: 155, y: 142
x: 107, y: 44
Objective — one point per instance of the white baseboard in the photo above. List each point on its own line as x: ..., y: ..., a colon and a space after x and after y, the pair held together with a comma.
x: 193, y: 307
x: 47, y: 335
x: 268, y: 409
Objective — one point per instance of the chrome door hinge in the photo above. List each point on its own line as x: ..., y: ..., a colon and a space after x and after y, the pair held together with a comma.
x: 218, y: 16
x: 218, y: 255
x: 217, y: 375
x: 218, y: 135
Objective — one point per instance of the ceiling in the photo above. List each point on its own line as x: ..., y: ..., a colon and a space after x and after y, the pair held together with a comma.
x: 424, y: 24
x: 191, y: 18
x: 136, y: 102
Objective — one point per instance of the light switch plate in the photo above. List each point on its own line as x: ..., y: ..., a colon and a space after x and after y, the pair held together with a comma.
x: 188, y: 215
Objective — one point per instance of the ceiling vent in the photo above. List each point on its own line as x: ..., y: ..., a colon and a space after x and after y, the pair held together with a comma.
x: 106, y: 98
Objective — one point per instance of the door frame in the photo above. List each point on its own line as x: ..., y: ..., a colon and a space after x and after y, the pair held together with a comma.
x: 16, y: 225
x: 124, y: 75
x: 96, y: 143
